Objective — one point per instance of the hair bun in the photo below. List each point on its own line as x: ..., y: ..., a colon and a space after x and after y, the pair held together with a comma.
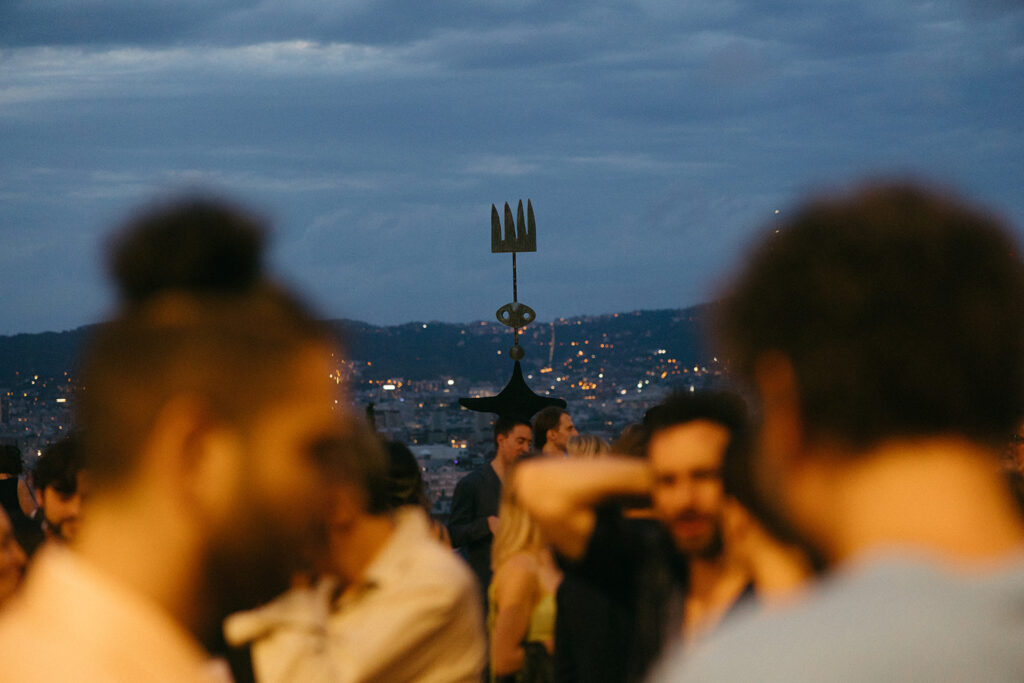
x: 199, y: 246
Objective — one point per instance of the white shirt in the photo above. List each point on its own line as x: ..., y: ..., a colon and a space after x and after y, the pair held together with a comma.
x: 73, y: 623
x: 414, y: 616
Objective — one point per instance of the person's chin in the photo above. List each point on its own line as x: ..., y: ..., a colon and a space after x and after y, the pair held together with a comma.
x: 693, y: 537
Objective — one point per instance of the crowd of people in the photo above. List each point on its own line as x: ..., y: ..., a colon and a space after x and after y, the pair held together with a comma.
x: 847, y: 507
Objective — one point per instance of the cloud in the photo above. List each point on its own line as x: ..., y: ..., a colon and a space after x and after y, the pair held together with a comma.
x: 653, y: 137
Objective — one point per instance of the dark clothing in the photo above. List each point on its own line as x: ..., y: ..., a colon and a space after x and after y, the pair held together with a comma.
x: 586, y: 615
x: 475, y: 499
x: 620, y: 603
x: 28, y: 532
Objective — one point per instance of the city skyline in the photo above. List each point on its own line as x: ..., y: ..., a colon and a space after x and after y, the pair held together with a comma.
x: 656, y: 140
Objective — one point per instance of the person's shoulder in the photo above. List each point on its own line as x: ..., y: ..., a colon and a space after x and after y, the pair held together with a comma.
x: 895, y: 619
x: 517, y: 575
x: 521, y: 562
x: 475, y: 475
x: 750, y: 645
x: 430, y: 563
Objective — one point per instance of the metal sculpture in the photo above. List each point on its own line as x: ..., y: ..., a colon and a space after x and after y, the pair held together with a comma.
x: 519, y: 236
x: 516, y: 399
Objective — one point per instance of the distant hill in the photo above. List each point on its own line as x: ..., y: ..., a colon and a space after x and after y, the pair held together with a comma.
x: 47, y: 354
x: 419, y: 350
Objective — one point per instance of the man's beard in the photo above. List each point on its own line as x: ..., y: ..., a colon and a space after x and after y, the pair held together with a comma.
x: 250, y: 565
x: 714, y: 547
x: 707, y: 548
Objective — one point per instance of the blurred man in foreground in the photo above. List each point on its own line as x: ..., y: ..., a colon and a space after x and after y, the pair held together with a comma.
x: 206, y: 412
x: 883, y: 333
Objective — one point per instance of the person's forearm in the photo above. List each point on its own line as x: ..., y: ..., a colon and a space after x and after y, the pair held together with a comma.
x: 563, y: 494
x: 548, y: 488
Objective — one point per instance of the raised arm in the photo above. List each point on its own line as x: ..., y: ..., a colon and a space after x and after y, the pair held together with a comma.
x: 562, y: 495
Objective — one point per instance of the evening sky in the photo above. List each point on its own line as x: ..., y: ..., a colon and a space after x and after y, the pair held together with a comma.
x: 655, y: 138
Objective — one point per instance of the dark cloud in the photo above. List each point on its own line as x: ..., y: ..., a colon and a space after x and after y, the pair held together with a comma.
x: 655, y: 138
x: 236, y: 22
x: 101, y: 22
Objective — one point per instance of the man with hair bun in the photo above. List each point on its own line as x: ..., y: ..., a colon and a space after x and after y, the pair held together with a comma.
x: 208, y: 423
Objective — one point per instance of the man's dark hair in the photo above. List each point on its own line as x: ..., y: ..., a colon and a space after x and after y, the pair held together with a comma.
x: 505, y: 423
x: 10, y: 459
x: 631, y: 441
x: 900, y: 310
x: 58, y: 467
x: 546, y: 419
x: 361, y: 459
x: 405, y: 478
x: 721, y: 407
x: 198, y: 319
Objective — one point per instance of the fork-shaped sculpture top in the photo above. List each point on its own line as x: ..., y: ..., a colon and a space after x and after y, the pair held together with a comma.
x: 519, y: 235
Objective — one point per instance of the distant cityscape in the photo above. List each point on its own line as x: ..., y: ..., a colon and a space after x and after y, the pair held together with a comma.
x: 609, y: 368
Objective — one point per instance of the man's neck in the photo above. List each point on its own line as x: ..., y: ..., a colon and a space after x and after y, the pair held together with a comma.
x: 715, y: 584
x: 942, y: 496
x: 153, y: 554
x: 553, y: 450
x: 499, y: 467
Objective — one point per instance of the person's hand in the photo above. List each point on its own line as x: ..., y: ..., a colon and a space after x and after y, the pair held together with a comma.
x: 778, y: 570
x: 492, y: 524
x: 742, y: 536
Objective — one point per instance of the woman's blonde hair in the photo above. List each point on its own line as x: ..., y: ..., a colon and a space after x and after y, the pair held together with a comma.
x: 517, y: 531
x: 587, y: 446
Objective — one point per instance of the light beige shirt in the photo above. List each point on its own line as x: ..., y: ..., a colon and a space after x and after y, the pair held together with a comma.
x: 415, y: 616
x: 73, y: 623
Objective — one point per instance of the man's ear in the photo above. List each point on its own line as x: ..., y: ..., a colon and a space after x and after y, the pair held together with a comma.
x: 348, y: 504
x: 215, y: 477
x: 781, y: 437
x: 199, y: 455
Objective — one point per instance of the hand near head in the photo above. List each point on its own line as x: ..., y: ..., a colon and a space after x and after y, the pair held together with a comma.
x: 778, y: 570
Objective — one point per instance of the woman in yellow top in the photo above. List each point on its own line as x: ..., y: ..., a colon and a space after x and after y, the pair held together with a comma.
x: 521, y: 594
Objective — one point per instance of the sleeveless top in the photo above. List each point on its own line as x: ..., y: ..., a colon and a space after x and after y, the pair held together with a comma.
x: 542, y: 619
